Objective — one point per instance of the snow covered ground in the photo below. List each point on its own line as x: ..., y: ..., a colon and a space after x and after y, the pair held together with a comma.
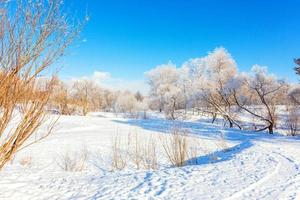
x: 256, y: 165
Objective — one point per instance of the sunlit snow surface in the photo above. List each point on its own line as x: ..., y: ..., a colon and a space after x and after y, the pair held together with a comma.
x: 256, y: 166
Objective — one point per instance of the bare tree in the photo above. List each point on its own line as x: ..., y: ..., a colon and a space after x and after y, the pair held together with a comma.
x: 139, y: 96
x: 292, y: 120
x: 33, y: 35
x: 294, y: 96
x: 84, y: 91
x: 61, y: 98
x: 264, y: 91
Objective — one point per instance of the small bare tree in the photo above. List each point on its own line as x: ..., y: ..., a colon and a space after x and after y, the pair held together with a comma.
x: 86, y: 95
x: 292, y: 121
x: 61, y: 99
x: 33, y: 35
x: 294, y: 96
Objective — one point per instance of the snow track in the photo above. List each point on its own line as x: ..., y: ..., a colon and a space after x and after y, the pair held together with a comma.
x: 282, y: 181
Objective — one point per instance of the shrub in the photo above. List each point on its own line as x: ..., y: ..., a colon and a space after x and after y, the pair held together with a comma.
x: 139, y: 152
x: 34, y: 35
x: 176, y: 147
x: 292, y: 121
x: 73, y: 161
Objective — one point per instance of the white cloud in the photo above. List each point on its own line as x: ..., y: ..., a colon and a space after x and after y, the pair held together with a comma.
x: 101, y: 75
x: 105, y: 80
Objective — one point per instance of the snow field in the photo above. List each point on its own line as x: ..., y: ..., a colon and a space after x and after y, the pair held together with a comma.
x: 255, y: 166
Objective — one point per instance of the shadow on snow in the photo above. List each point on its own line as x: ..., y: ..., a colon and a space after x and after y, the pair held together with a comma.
x: 207, y: 130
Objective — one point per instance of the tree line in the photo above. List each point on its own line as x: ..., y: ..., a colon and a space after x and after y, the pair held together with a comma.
x: 213, y: 85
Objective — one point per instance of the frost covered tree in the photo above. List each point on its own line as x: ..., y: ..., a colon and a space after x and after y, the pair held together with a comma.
x: 165, y: 88
x: 142, y: 107
x: 211, y: 78
x: 109, y: 99
x: 186, y: 87
x: 263, y: 93
x: 126, y: 103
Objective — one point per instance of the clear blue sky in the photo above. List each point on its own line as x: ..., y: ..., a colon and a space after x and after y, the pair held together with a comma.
x: 127, y: 37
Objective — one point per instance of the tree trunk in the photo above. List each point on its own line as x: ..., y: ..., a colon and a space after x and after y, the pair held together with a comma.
x: 270, y: 128
x: 214, y: 118
x: 230, y: 124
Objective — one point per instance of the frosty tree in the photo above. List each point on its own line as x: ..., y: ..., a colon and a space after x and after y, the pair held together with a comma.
x: 165, y: 88
x: 126, y: 103
x: 263, y: 92
x: 212, y: 74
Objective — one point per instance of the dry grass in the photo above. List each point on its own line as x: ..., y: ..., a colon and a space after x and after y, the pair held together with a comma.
x: 26, y: 161
x: 176, y: 147
x: 150, y: 154
x: 73, y: 161
x: 139, y: 152
x: 119, y: 157
x: 135, y: 151
x: 142, y: 152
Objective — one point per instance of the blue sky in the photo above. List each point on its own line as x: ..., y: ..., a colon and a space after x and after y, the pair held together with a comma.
x: 127, y: 37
